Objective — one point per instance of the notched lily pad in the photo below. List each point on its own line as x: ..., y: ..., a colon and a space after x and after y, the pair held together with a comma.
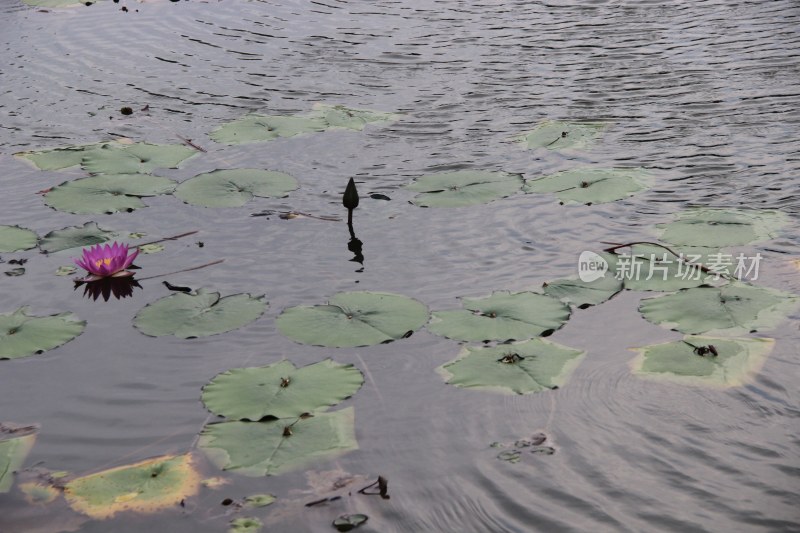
x: 500, y: 317
x: 201, y: 314
x: 522, y: 368
x: 145, y: 487
x: 76, y: 237
x: 732, y: 309
x: 646, y: 267
x: 717, y: 228
x: 463, y: 188
x: 557, y: 135
x: 278, y: 446
x: 354, y: 319
x: 255, y: 127
x: 16, y: 239
x: 280, y: 390
x: 107, y: 193
x: 112, y: 157
x: 583, y: 294
x: 339, y: 116
x: 592, y: 185
x: 22, y: 335
x: 16, y: 442
x: 234, y: 187
x: 709, y: 361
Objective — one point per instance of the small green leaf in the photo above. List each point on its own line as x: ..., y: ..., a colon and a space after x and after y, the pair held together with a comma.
x: 464, y: 188
x: 354, y: 319
x: 234, y: 187
x: 501, y: 316
x: 690, y: 362
x: 349, y: 521
x: 259, y: 500
x: 22, y: 335
x: 717, y: 228
x: 269, y: 448
x: 280, y: 390
x: 592, y: 185
x: 555, y: 135
x: 245, y: 525
x: 522, y: 368
x: 15, y: 239
x: 107, y: 193
x: 65, y: 270
x: 730, y: 310
x: 151, y: 248
x: 202, y: 314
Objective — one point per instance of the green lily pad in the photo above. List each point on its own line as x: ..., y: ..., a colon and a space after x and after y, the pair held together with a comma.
x: 339, y: 116
x: 349, y: 522
x: 730, y: 310
x: 280, y: 390
x: 259, y: 500
x: 718, y: 228
x: 269, y: 448
x: 15, y: 444
x: 556, y: 135
x: 76, y: 237
x: 66, y: 270
x: 254, y: 128
x: 145, y: 487
x: 735, y: 362
x: 645, y: 267
x: 245, y: 525
x: 201, y: 314
x: 22, y: 335
x: 354, y: 319
x: 57, y: 158
x: 107, y: 193
x: 463, y: 188
x: 137, y: 158
x: 500, y: 317
x: 523, y: 368
x: 583, y: 294
x: 15, y: 239
x: 234, y: 187
x: 151, y: 248
x: 592, y: 185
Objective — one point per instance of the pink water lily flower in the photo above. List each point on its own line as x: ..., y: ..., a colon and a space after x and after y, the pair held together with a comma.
x: 106, y: 261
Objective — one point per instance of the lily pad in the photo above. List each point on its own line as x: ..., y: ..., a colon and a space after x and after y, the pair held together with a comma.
x: 592, y: 185
x: 718, y: 228
x: 269, y: 448
x: 15, y: 239
x: 38, y: 493
x: 57, y: 158
x: 22, y: 335
x: 348, y: 522
x: 201, y: 314
x: 107, y: 193
x: 500, y: 317
x: 75, y: 237
x: 581, y: 293
x: 732, y: 363
x: 245, y: 525
x: 730, y: 310
x: 234, y: 187
x: 258, y: 500
x: 280, y: 390
x: 339, y: 116
x: 136, y: 158
x: 255, y: 127
x: 15, y: 444
x: 645, y: 267
x: 463, y: 188
x: 532, y: 366
x: 145, y: 487
x: 352, y: 319
x: 556, y: 135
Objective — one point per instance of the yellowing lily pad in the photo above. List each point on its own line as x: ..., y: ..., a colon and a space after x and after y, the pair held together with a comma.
x: 556, y: 135
x: 200, y: 314
x: 278, y: 446
x: 522, y: 368
x: 15, y: 443
x: 22, y: 334
x: 352, y: 319
x: 107, y: 193
x: 592, y: 185
x: 464, y: 188
x: 500, y: 317
x: 15, y: 239
x: 280, y: 390
x: 234, y: 187
x: 146, y: 487
x: 732, y: 309
x: 717, y: 228
x: 733, y: 362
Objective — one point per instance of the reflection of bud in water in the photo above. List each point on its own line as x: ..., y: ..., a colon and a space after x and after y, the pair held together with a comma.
x: 350, y: 198
x: 106, y: 287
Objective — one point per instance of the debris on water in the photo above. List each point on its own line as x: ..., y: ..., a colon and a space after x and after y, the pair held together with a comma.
x: 126, y: 110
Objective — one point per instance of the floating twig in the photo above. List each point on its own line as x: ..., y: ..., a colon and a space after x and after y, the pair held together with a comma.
x: 218, y: 261
x: 173, y: 238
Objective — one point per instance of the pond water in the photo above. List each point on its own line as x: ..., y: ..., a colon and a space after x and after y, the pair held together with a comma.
x: 702, y: 93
